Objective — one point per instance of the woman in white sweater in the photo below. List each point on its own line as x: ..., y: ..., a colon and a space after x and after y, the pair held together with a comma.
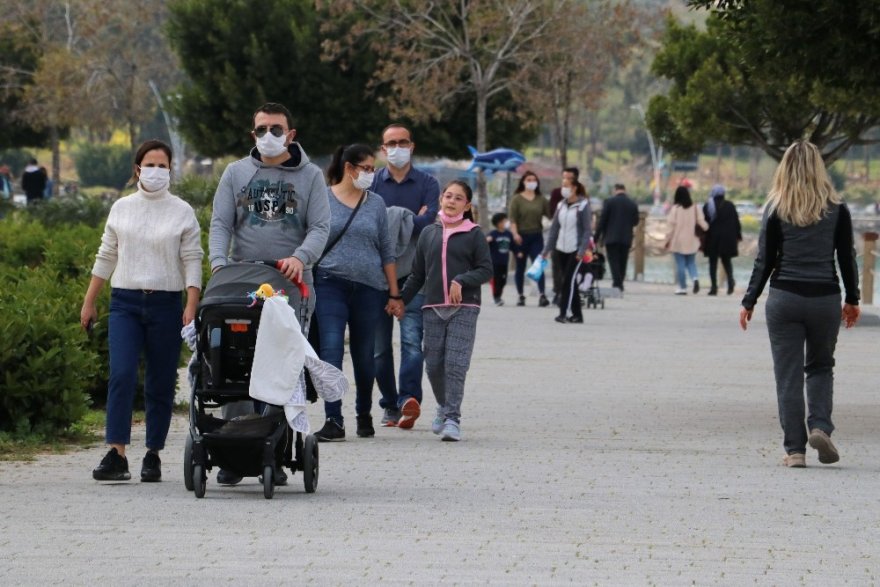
x: 150, y: 252
x: 683, y: 220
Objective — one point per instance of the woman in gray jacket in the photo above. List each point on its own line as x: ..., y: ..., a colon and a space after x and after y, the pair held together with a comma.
x: 568, y: 239
x: 804, y: 225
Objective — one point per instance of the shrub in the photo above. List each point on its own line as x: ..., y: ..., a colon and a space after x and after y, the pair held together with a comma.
x: 105, y: 165
x: 47, y: 362
x: 71, y: 210
x: 21, y: 241
x: 197, y: 190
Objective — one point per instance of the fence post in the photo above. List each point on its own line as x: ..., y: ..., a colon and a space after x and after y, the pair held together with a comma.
x: 639, y: 248
x: 868, y: 268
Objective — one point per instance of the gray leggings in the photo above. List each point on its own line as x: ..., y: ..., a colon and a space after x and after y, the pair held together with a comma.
x: 449, y: 345
x: 795, y: 322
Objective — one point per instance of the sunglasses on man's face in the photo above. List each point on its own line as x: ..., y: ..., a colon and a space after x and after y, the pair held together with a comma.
x: 276, y: 130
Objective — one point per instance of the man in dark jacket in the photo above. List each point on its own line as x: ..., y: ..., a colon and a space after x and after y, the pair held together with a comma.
x: 619, y: 216
x: 33, y: 181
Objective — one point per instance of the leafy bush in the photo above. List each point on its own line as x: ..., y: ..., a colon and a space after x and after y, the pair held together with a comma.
x: 17, y: 159
x: 47, y: 360
x: 106, y: 165
x: 197, y: 190
x: 21, y: 241
x: 71, y: 210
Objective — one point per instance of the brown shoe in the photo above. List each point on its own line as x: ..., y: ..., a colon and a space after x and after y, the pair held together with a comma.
x: 409, y: 413
x: 796, y: 460
x: 822, y: 443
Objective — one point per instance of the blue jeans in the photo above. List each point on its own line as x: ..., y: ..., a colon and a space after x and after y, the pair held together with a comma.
x: 342, y: 302
x: 532, y: 246
x: 148, y: 322
x: 683, y: 262
x: 411, y: 357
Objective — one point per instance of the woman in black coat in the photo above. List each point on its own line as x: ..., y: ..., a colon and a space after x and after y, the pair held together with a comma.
x: 722, y: 238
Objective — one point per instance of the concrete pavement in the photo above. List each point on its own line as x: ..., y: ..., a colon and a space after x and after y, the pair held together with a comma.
x: 639, y: 448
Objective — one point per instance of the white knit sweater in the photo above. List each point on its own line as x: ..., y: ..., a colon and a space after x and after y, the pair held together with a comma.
x: 151, y: 241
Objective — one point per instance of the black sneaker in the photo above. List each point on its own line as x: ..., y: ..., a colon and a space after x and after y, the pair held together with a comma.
x: 225, y: 477
x: 112, y: 468
x: 543, y: 301
x: 151, y: 470
x: 561, y: 319
x: 365, y: 426
x: 696, y: 286
x: 331, y: 432
x: 521, y: 301
x: 576, y: 320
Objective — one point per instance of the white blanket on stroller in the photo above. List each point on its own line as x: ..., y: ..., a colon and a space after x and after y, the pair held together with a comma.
x: 280, y: 354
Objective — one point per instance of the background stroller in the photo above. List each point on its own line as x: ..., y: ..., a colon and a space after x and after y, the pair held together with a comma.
x: 588, y: 275
x: 226, y: 326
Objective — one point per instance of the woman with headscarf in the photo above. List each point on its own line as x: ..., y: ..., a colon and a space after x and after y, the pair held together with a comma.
x: 722, y: 238
x: 805, y: 226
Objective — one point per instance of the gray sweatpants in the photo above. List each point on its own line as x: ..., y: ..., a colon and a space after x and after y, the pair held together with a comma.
x: 449, y: 345
x: 795, y: 322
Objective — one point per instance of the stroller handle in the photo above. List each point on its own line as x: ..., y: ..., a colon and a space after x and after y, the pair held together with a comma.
x: 276, y: 263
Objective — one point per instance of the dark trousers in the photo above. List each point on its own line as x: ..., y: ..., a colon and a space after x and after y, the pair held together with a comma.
x: 531, y: 248
x: 499, y: 279
x: 803, y: 334
x: 148, y: 324
x: 342, y: 303
x: 569, y: 297
x: 618, y: 257
x: 713, y: 269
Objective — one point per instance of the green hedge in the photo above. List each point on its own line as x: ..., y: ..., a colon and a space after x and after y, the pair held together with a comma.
x: 106, y: 165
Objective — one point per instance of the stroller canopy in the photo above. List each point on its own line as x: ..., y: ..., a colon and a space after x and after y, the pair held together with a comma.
x: 236, y: 280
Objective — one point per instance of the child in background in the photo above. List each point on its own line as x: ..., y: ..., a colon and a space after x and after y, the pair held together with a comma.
x: 500, y: 246
x: 452, y: 261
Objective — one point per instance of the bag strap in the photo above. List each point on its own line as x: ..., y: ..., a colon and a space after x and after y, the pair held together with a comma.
x: 332, y: 244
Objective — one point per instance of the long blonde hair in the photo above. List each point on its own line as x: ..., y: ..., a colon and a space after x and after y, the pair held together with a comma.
x: 801, y: 189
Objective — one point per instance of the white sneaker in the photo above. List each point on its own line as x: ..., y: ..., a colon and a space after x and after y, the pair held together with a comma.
x: 437, y: 422
x: 451, y: 431
x: 681, y: 292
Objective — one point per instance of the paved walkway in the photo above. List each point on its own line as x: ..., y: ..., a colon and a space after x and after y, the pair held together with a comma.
x: 640, y: 448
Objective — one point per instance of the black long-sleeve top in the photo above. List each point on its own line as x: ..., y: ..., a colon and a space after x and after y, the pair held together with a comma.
x: 800, y: 259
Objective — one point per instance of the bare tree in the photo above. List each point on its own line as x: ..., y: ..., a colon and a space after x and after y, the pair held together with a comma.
x: 431, y: 51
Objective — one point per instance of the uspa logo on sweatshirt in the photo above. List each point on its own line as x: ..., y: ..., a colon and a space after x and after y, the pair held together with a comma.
x: 270, y: 201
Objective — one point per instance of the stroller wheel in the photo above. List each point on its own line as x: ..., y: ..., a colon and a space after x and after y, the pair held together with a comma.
x: 310, y: 464
x: 200, y: 480
x: 188, y: 463
x: 268, y: 482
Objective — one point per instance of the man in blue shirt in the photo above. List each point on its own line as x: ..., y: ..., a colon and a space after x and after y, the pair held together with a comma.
x: 401, y: 184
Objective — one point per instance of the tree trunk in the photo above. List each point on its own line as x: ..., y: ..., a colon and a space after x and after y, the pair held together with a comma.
x: 566, y: 117
x: 132, y: 135
x: 718, y: 152
x: 593, y: 122
x: 55, y: 140
x: 867, y: 151
x: 482, y: 195
x: 754, y: 159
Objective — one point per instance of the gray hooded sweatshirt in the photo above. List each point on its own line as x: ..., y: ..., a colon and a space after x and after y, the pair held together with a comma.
x: 269, y: 212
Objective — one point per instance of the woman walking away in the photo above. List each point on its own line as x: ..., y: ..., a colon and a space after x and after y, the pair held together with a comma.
x: 683, y: 220
x: 527, y: 208
x: 722, y: 237
x: 354, y: 278
x: 804, y: 225
x: 151, y: 252
x: 568, y: 239
x: 452, y: 262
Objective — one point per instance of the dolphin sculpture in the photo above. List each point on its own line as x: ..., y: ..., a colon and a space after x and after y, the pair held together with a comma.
x: 496, y: 160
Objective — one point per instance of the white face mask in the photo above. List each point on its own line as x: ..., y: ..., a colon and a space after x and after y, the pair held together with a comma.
x: 364, y: 180
x: 566, y: 192
x: 531, y: 185
x: 398, y: 156
x: 154, y: 179
x: 271, y: 146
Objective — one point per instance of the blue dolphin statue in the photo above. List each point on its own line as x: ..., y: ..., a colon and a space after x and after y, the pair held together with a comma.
x: 496, y: 160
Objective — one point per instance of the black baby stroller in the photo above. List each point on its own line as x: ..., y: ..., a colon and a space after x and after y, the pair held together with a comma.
x: 589, y: 286
x: 261, y: 444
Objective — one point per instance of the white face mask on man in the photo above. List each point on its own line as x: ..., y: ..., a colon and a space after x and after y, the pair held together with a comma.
x: 398, y: 156
x: 154, y: 179
x: 271, y: 146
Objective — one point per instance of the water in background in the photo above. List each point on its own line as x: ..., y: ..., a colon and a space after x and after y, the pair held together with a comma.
x: 662, y: 270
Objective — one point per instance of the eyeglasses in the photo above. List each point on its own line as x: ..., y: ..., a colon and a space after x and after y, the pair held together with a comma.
x: 405, y: 143
x: 367, y: 168
x: 276, y: 130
